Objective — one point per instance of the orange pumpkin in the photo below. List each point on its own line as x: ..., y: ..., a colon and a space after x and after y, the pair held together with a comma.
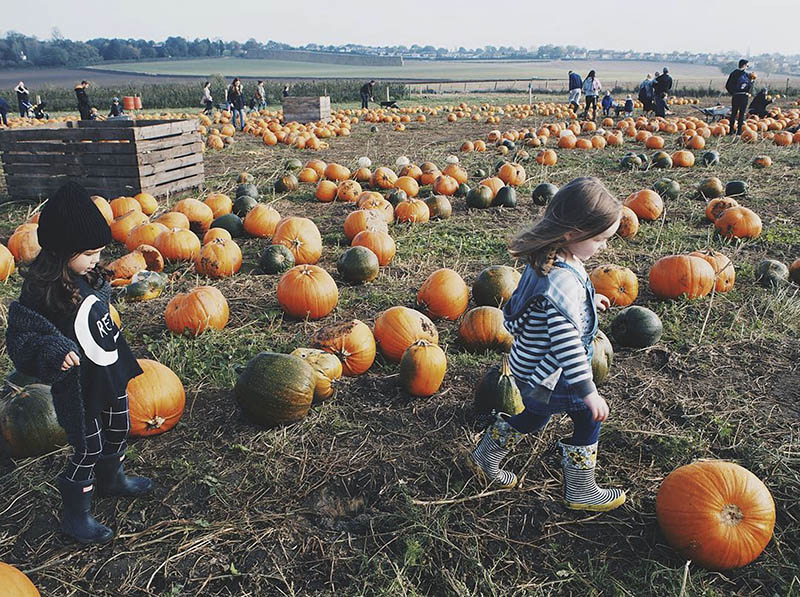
x: 15, y: 583
x: 156, y: 399
x: 383, y: 178
x: 352, y: 341
x: 444, y: 294
x: 494, y: 183
x: 144, y: 234
x: 196, y: 311
x: 412, y: 210
x: 445, y: 185
x: 178, y: 244
x: 398, y: 327
x: 716, y: 513
x: 198, y: 213
x: 301, y: 236
x: 457, y: 172
x: 547, y: 157
x: 715, y: 207
x: 24, y: 243
x: 147, y: 202
x: 380, y: 243
x: 261, y: 221
x: 143, y: 257
x: 422, y: 368
x: 307, y: 291
x: 122, y: 225
x: 511, y: 174
x: 407, y: 184
x: 618, y: 283
x: 122, y: 205
x: 762, y: 161
x: 173, y: 219
x: 326, y: 191
x: 104, y: 208
x: 308, y: 175
x: 482, y: 329
x: 628, y: 223
x: 219, y: 203
x: 317, y: 166
x: 363, y: 219
x: 739, y: 222
x: 336, y: 172
x: 7, y: 266
x: 683, y: 159
x: 723, y: 268
x: 380, y: 206
x: 215, y: 233
x: 219, y: 258
x: 348, y: 190
x: 646, y: 204
x: 678, y: 275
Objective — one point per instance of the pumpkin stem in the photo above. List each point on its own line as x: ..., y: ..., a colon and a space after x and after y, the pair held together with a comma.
x: 155, y: 422
x: 731, y: 515
x: 505, y: 367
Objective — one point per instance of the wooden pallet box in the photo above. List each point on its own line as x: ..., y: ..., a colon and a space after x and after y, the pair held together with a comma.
x: 110, y: 158
x: 306, y: 109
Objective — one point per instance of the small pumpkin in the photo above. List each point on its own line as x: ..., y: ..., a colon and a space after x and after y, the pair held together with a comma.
x: 276, y: 259
x: 715, y: 513
x: 602, y: 357
x: 771, y: 273
x: 739, y: 222
x: 7, y: 266
x: 144, y: 286
x: 715, y: 207
x: 480, y: 197
x: 215, y: 233
x: 543, y: 193
x: 711, y: 188
x: 144, y: 257
x: 646, y: 204
x: 28, y: 422
x: 156, y: 399
x: 173, y: 219
x: 667, y: 188
x: 358, y: 265
x: 636, y: 327
x: 351, y: 341
x: 439, y: 206
x: 422, y: 368
x: 286, y: 183
x: 412, y: 210
x: 276, y: 389
x: 219, y: 259
x: 328, y: 370
x: 506, y: 197
x: 628, y: 223
x: 681, y: 275
x: 198, y: 213
x: 683, y: 159
x: 723, y: 268
x: 104, y: 208
x: 194, y: 312
x: 219, y: 203
x: 301, y: 236
x: 618, y: 283
x: 122, y: 225
x: 794, y: 271
x: 363, y: 219
x: 246, y: 189
x: 497, y: 391
x: 243, y: 204
x: 122, y: 205
x: 307, y: 291
x: 398, y: 327
x: 380, y: 243
x: 495, y: 285
x: 482, y: 329
x: 734, y: 188
x: 144, y: 234
x: 444, y: 294
x: 762, y: 161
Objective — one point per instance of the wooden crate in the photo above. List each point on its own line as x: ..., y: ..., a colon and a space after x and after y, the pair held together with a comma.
x: 110, y: 158
x: 306, y: 109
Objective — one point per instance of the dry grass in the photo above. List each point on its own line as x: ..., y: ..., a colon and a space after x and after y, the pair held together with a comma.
x: 368, y: 496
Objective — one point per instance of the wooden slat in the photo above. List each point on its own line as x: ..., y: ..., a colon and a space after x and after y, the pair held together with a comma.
x: 80, y: 159
x: 166, y: 130
x: 61, y: 147
x: 43, y: 133
x: 151, y: 157
x: 178, y: 185
x: 166, y: 143
x: 170, y: 175
x: 171, y: 164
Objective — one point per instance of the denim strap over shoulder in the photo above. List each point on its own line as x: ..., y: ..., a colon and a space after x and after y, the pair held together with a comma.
x: 562, y: 287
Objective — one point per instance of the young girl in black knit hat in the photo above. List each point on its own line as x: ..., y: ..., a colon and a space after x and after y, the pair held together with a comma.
x: 60, y: 331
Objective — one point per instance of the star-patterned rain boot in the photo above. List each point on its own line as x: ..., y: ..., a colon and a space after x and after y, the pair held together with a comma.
x: 496, y: 443
x: 580, y: 490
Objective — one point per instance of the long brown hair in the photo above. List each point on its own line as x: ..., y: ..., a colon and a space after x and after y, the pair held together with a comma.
x: 51, y: 285
x: 583, y: 206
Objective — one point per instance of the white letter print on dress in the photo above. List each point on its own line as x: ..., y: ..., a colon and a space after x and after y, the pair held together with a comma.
x: 83, y: 332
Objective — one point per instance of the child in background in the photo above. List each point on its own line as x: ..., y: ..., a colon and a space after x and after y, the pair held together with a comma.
x: 607, y: 103
x: 553, y: 318
x: 628, y: 106
x: 61, y: 332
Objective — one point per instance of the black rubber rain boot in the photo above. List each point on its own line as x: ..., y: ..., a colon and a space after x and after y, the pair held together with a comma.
x: 76, y: 519
x: 112, y: 480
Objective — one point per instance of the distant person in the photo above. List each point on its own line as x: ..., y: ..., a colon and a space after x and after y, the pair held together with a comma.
x: 285, y: 91
x: 367, y: 93
x: 93, y: 114
x: 575, y: 86
x: 236, y: 100
x: 646, y: 93
x: 260, y: 96
x: 23, y: 99
x: 660, y: 106
x: 4, y: 108
x: 591, y: 89
x: 663, y: 82
x: 607, y: 103
x: 116, y: 108
x: 738, y: 85
x: 207, y: 100
x: 628, y: 106
x: 759, y: 104
x: 84, y: 106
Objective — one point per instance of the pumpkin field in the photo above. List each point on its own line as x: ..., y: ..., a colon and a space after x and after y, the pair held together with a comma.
x: 366, y: 490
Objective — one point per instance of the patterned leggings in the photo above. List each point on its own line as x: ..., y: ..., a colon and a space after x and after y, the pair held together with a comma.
x: 105, y: 434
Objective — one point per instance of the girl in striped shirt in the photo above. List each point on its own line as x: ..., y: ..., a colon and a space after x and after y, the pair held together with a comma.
x: 553, y: 318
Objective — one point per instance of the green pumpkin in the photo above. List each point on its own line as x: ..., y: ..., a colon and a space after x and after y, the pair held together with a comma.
x: 494, y: 286
x: 275, y: 389
x: 276, y: 259
x: 735, y: 188
x: 439, y: 206
x: 286, y: 183
x: 247, y: 188
x: 462, y: 190
x: 711, y: 188
x: 771, y: 273
x: 630, y: 161
x: 396, y: 196
x: 145, y: 285
x: 636, y: 327
x: 710, y: 158
x: 480, y: 173
x: 231, y: 222
x: 667, y: 188
x: 358, y: 265
x: 28, y: 423
x: 602, y: 358
x: 242, y: 205
x: 543, y: 193
x: 497, y: 391
x: 373, y: 129
x: 506, y: 197
x: 508, y: 143
x: 293, y: 165
x: 480, y: 197
x: 645, y: 161
x: 661, y: 159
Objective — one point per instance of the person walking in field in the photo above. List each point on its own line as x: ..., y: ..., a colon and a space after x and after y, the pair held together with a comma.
x: 552, y: 316
x: 4, y: 108
x: 84, y: 106
x: 60, y: 330
x: 575, y: 86
x: 646, y: 94
x: 738, y: 85
x: 591, y: 89
x: 23, y: 99
x: 260, y: 96
x: 607, y: 103
x: 285, y: 91
x: 207, y: 100
x: 236, y: 100
x: 660, y: 105
x: 663, y: 83
x: 367, y: 93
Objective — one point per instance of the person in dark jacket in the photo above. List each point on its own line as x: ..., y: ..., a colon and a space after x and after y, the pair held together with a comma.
x: 646, y: 94
x: 575, y: 87
x: 607, y: 103
x: 663, y: 82
x: 4, y: 107
x: 60, y: 331
x: 116, y: 108
x: 758, y: 105
x: 660, y: 106
x: 285, y: 91
x: 738, y: 85
x: 84, y: 106
x: 23, y: 99
x: 236, y: 100
x: 367, y: 93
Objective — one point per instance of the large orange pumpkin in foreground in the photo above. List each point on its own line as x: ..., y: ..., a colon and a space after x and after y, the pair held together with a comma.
x: 307, y: 291
x: 739, y: 222
x: 197, y: 310
x: 156, y: 399
x: 15, y: 583
x: 716, y: 513
x: 398, y: 327
x: 677, y: 275
x: 301, y: 236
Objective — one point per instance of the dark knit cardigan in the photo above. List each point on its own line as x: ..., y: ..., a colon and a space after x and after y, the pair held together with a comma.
x: 37, y: 348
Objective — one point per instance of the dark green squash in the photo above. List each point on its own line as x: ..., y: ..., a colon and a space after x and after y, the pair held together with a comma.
x: 286, y: 183
x: 497, y: 391
x: 396, y: 196
x: 373, y: 129
x: 661, y: 159
x: 543, y: 193
x: 667, y: 188
x: 480, y: 173
x: 645, y: 161
x: 247, y: 188
x: 28, y: 423
x: 276, y: 259
x: 602, y: 357
x: 462, y: 190
x: 710, y: 158
x: 771, y: 273
x: 506, y: 197
x: 508, y: 143
x: 735, y: 188
x: 710, y: 188
x: 480, y: 197
x: 231, y: 222
x: 494, y: 285
x: 358, y: 265
x: 293, y: 165
x: 275, y: 389
x: 630, y: 161
x: 145, y: 285
x: 439, y: 206
x: 636, y: 327
x: 242, y: 205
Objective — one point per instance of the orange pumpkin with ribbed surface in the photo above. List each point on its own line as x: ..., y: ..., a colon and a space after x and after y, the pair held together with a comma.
x: 443, y: 295
x: 739, y: 222
x: 301, y: 236
x: 412, y: 210
x: 351, y: 341
x: 307, y: 291
x: 196, y: 311
x: 219, y: 258
x: 144, y: 234
x: 618, y: 283
x: 261, y: 221
x: 681, y: 275
x: 723, y: 268
x: 422, y: 368
x: 647, y: 204
x: 363, y: 219
x: 380, y: 243
x: 398, y: 327
x: 156, y: 399
x: 482, y: 329
x: 178, y: 244
x: 122, y: 225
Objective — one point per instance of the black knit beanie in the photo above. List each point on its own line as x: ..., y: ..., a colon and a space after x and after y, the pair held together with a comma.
x: 71, y: 223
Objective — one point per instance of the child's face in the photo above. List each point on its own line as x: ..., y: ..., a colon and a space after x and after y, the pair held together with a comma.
x: 585, y: 249
x: 83, y: 262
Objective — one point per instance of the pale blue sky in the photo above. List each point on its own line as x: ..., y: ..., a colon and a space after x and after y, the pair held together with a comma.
x: 645, y: 25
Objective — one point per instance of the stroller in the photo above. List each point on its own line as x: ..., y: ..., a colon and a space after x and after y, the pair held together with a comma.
x: 37, y: 111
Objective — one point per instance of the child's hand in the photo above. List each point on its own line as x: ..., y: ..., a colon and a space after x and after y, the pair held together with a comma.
x: 597, y: 406
x: 602, y: 302
x: 71, y: 360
